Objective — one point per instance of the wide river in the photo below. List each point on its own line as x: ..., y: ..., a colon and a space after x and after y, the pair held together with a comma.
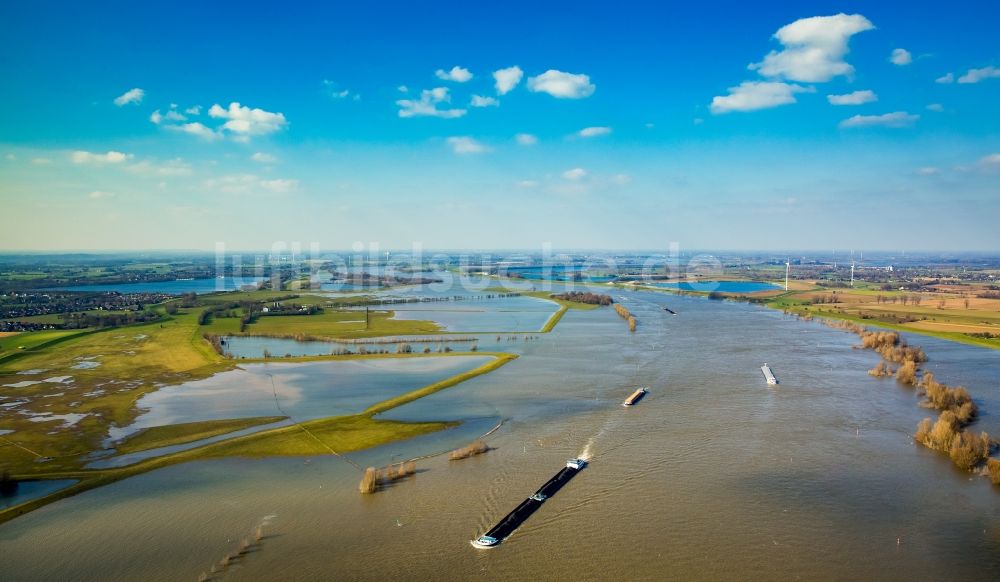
x: 712, y: 476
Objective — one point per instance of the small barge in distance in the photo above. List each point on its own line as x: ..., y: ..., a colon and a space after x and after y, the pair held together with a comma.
x: 768, y: 375
x: 636, y: 396
x: 514, y: 519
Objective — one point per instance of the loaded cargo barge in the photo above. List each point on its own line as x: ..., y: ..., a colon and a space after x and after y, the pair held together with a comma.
x: 514, y: 519
x: 635, y: 397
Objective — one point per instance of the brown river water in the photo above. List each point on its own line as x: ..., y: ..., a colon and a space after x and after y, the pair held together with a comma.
x: 712, y: 476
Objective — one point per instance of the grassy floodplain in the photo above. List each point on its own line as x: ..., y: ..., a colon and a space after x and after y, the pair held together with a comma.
x: 334, y: 435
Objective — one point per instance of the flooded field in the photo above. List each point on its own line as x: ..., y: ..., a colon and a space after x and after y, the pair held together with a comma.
x: 302, y: 391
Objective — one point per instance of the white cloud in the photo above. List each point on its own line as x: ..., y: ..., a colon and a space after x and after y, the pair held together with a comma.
x: 527, y: 184
x: 171, y: 115
x: 814, y: 48
x: 130, y: 96
x: 526, y: 139
x: 233, y: 183
x: 977, y: 75
x: 263, y: 158
x: 245, y: 121
x: 575, y: 174
x: 403, y: 89
x: 244, y: 183
x: 98, y: 194
x: 992, y: 160
x: 936, y: 107
x: 928, y: 171
x: 479, y: 101
x: 894, y: 119
x: 197, y: 129
x: 456, y: 74
x: 900, y: 57
x: 946, y: 79
x: 427, y: 106
x: 279, y: 186
x: 855, y: 98
x: 594, y: 131
x: 336, y: 93
x: 562, y: 85
x: 466, y: 145
x: 193, y: 110
x: 753, y: 95
x: 174, y: 167
x: 621, y: 179
x: 112, y: 157
x: 507, y: 79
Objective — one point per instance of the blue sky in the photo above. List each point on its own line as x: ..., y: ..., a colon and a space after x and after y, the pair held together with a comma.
x: 836, y: 125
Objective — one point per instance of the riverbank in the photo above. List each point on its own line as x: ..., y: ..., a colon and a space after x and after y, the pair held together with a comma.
x: 929, y: 314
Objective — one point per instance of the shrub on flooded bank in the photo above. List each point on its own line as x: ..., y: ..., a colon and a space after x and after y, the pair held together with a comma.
x: 907, y: 373
x: 993, y: 467
x: 882, y: 370
x: 476, y: 447
x: 625, y: 314
x: 374, y: 479
x: 937, y: 436
x: 947, y: 435
x: 941, y: 397
x: 966, y: 450
x: 969, y: 451
x: 369, y: 482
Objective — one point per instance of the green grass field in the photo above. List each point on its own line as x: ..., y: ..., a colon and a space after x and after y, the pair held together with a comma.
x: 176, y: 434
x: 340, y: 324
x: 32, y: 340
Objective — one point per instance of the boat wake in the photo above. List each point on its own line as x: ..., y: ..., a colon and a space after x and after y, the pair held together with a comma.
x: 588, y: 449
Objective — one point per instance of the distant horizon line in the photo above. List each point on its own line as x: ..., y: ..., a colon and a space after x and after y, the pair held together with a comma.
x: 792, y: 253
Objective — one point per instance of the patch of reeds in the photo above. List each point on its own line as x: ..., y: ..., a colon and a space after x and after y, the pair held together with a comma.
x: 476, y: 447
